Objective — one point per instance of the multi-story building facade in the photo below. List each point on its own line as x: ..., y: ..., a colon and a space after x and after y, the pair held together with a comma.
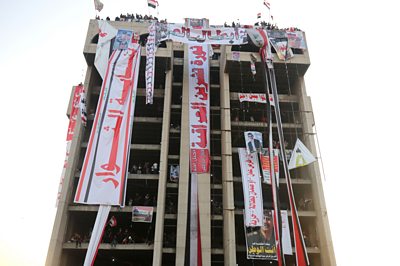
x: 161, y: 136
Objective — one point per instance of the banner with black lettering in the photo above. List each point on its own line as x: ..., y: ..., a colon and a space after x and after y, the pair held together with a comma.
x: 104, y: 171
x: 151, y: 49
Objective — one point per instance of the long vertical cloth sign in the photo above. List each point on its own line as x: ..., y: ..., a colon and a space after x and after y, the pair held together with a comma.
x: 97, y: 234
x: 104, y: 172
x: 199, y: 108
x: 151, y: 49
x: 253, y: 203
x: 300, y: 247
x: 75, y: 106
x: 106, y: 34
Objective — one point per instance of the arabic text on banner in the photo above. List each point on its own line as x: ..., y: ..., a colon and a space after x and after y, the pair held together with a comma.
x: 199, y: 108
x: 104, y: 172
x: 253, y: 204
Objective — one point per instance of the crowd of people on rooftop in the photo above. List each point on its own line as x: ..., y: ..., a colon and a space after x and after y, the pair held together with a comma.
x: 140, y: 18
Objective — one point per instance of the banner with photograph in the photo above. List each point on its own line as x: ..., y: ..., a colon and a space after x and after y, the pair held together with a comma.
x: 252, y: 97
x: 174, y: 173
x: 260, y: 240
x: 151, y: 49
x: 296, y: 39
x: 266, y: 167
x: 252, y: 194
x: 301, y: 156
x: 199, y: 108
x: 254, y: 141
x: 104, y: 171
x: 142, y: 214
x: 211, y: 35
x: 279, y: 41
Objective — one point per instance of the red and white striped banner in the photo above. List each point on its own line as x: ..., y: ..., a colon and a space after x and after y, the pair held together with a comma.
x: 104, y: 171
x: 252, y: 194
x: 75, y: 106
x: 199, y: 108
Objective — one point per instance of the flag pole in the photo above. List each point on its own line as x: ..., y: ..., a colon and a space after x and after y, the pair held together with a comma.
x: 300, y: 247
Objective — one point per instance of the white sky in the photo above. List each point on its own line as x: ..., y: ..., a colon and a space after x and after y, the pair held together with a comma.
x: 352, y: 81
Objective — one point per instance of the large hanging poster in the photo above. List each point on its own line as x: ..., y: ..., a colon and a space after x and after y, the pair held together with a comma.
x: 260, y: 240
x: 199, y: 108
x: 252, y: 195
x: 106, y: 34
x: 211, y: 35
x: 104, y: 172
x: 254, y: 141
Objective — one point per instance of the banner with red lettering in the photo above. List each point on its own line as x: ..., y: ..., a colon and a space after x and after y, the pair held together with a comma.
x: 199, y: 108
x: 75, y: 107
x: 266, y: 167
x: 253, y: 203
x: 106, y: 34
x: 151, y: 49
x: 104, y: 172
x: 203, y: 35
x: 253, y: 97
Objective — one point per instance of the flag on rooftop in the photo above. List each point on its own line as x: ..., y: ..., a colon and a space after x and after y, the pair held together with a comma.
x: 258, y: 15
x: 152, y: 3
x: 98, y: 5
x: 267, y: 4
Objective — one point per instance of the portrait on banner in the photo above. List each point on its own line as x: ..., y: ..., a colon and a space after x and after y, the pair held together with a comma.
x: 122, y: 39
x: 254, y: 141
x: 260, y: 240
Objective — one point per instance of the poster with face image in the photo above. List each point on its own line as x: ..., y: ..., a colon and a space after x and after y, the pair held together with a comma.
x: 254, y: 141
x: 260, y: 240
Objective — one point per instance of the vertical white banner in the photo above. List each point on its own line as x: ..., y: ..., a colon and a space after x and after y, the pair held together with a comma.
x: 151, y: 49
x: 106, y: 34
x: 199, y: 108
x: 286, y: 241
x: 97, y: 234
x: 104, y: 171
x: 253, y: 202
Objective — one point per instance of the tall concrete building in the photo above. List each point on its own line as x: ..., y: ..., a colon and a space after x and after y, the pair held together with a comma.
x: 161, y: 136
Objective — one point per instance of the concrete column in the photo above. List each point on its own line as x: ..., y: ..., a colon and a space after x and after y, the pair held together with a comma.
x: 182, y: 213
x: 60, y: 223
x: 227, y: 170
x: 162, y: 182
x: 322, y: 222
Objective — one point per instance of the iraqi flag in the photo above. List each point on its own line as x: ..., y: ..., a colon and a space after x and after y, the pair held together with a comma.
x: 258, y: 15
x: 152, y: 3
